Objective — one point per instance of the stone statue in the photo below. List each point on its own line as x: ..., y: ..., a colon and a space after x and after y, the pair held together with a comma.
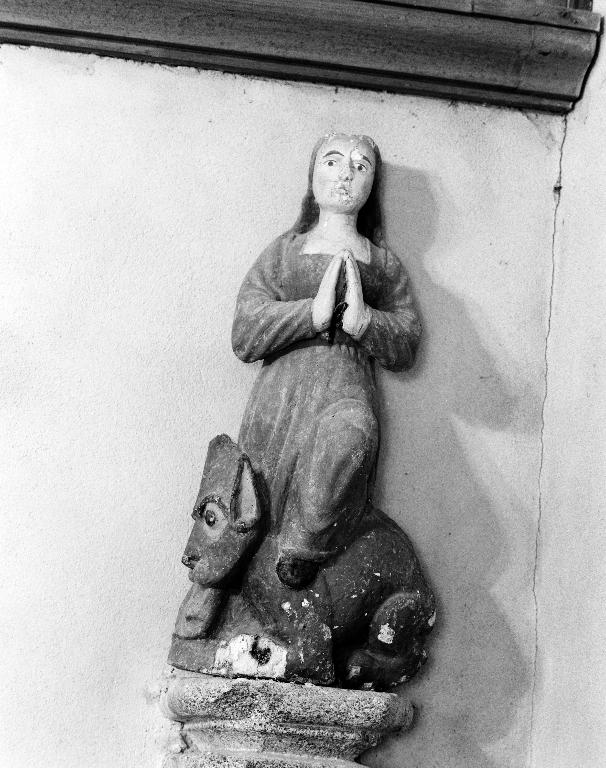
x: 295, y: 575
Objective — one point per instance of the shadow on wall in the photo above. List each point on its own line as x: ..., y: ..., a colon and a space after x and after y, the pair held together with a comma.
x: 473, y: 686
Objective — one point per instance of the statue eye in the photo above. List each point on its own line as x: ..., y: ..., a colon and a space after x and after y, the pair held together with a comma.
x: 361, y: 167
x: 209, y: 517
x: 330, y: 163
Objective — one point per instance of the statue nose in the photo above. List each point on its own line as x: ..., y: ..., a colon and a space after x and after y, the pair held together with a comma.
x: 188, y: 560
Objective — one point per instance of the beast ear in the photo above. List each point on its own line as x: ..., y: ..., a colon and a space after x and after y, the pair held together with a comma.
x: 246, y: 510
x: 221, y: 469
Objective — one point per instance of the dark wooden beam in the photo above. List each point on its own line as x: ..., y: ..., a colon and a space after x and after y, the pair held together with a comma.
x: 509, y: 52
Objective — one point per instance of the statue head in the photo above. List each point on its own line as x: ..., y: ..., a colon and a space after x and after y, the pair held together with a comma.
x: 328, y: 187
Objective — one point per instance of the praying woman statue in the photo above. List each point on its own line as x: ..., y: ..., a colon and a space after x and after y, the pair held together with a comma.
x: 295, y: 574
x: 321, y: 306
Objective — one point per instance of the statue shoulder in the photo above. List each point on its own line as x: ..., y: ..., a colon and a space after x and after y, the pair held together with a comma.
x: 390, y: 264
x: 277, y: 250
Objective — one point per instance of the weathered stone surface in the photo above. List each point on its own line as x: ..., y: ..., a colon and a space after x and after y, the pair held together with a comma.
x: 250, y: 723
x: 252, y: 760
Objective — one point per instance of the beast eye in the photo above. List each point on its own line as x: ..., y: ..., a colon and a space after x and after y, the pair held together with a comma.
x: 210, y: 518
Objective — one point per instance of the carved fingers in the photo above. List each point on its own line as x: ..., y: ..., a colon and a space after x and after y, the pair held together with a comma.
x: 357, y: 314
x: 324, y: 303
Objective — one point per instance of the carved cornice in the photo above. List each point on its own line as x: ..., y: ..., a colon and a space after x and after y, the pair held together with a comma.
x: 510, y: 52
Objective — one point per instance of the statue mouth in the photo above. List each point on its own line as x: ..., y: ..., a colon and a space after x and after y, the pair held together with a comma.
x: 342, y: 190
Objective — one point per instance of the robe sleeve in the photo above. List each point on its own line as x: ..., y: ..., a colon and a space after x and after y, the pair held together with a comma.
x: 393, y: 334
x: 264, y: 322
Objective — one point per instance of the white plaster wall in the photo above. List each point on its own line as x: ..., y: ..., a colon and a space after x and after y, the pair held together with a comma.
x: 132, y: 199
x: 570, y: 711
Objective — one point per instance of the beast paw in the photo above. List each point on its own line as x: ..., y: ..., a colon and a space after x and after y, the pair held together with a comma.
x: 377, y: 671
x: 295, y: 572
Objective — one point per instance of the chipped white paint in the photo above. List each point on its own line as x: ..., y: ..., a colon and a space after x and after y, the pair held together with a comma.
x: 432, y: 619
x: 305, y: 603
x: 386, y: 634
x: 237, y: 657
x: 286, y: 606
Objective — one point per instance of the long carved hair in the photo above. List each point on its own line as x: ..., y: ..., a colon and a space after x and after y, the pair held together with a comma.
x: 369, y: 216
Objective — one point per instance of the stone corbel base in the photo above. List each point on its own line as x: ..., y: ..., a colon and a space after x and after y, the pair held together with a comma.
x: 243, y: 723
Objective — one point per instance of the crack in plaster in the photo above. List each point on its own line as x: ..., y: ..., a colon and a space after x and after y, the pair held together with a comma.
x: 557, y: 191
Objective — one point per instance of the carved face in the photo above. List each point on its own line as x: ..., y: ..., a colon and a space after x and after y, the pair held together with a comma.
x: 226, y: 515
x: 343, y: 174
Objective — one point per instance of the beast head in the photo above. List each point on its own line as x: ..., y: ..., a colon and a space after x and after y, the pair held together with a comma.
x: 227, y: 516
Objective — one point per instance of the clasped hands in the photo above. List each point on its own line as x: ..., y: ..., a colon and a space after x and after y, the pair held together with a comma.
x: 357, y: 314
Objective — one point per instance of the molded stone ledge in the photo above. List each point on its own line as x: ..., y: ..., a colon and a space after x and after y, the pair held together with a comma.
x: 246, y: 723
x: 522, y: 54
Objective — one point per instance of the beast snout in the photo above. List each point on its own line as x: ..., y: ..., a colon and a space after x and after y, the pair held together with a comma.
x: 195, y: 547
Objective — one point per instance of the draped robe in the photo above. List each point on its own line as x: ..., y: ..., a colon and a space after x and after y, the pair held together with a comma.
x: 310, y: 427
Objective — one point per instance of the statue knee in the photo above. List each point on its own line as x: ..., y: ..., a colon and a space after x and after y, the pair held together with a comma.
x: 350, y: 427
